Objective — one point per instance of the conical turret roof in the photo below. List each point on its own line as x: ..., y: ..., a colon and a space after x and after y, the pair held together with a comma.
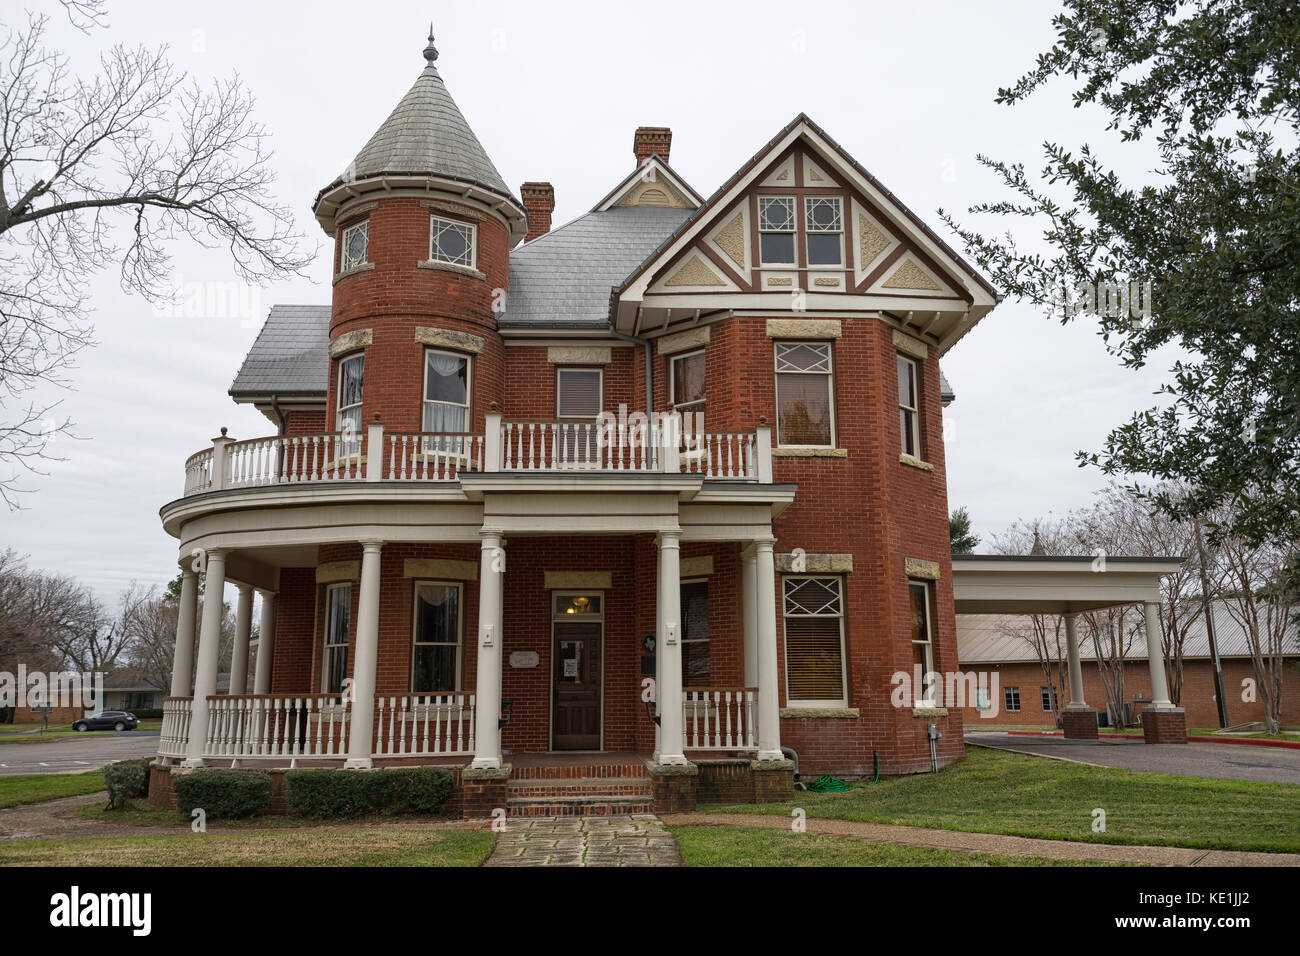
x: 425, y: 135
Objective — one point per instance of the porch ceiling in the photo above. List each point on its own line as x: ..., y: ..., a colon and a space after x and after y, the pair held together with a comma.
x: 1032, y: 584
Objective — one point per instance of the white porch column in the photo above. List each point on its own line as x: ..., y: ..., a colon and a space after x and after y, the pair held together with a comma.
x: 1076, y: 671
x: 265, y: 644
x: 205, y: 677
x: 243, y: 631
x: 749, y: 606
x: 668, y: 652
x: 1156, y: 659
x: 487, y: 715
x: 361, y: 729
x: 769, y: 702
x: 183, y: 657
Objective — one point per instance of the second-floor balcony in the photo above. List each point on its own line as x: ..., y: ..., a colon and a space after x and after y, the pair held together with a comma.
x: 373, y: 454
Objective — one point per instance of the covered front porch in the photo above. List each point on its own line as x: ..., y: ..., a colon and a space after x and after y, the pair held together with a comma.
x: 641, y: 631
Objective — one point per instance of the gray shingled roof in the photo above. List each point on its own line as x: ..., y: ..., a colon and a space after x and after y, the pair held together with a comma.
x: 427, y: 133
x: 290, y: 356
x: 565, y: 276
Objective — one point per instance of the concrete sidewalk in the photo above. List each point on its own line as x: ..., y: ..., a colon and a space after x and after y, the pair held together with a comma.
x: 992, y: 842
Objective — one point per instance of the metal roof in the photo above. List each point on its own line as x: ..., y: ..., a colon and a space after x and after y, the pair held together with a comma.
x: 289, y: 357
x: 566, y: 275
x: 994, y: 638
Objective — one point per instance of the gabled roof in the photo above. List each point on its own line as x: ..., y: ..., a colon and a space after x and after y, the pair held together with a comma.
x: 565, y: 276
x: 978, y: 289
x: 290, y: 356
x: 654, y: 168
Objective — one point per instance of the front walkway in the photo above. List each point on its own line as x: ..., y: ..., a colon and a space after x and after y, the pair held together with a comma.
x: 1220, y: 761
x: 637, y: 839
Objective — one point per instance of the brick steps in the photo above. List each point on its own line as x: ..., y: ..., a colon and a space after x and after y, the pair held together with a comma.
x: 589, y: 806
x: 591, y: 789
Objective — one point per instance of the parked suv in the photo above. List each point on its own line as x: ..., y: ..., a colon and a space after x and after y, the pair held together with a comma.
x: 108, y: 720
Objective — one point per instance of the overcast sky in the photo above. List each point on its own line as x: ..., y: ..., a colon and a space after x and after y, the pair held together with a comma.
x: 554, y: 92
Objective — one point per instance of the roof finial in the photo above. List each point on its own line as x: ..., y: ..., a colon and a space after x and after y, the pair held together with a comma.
x: 431, y: 51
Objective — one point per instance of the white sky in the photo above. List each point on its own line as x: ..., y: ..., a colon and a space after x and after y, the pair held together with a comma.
x: 554, y: 92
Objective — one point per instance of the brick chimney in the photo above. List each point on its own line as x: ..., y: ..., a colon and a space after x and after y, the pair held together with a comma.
x: 539, y: 203
x: 650, y: 140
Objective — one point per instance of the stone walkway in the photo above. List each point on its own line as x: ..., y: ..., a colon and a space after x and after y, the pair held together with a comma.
x: 637, y: 839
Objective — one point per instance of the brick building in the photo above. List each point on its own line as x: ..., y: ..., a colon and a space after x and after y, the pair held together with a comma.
x: 664, y: 482
x: 996, y: 645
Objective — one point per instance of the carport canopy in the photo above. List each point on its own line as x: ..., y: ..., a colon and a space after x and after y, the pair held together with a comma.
x: 1047, y: 584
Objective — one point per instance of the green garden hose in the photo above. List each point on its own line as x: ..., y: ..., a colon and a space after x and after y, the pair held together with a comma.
x: 826, y: 784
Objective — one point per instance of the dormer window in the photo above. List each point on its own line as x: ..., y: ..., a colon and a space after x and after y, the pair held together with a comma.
x: 825, y: 231
x: 355, y: 246
x: 776, y: 227
x: 451, y: 241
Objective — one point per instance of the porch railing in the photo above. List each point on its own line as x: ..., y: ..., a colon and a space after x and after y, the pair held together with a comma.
x: 506, y: 446
x: 717, y: 718
x: 277, y: 725
x: 175, y: 726
x: 430, y: 725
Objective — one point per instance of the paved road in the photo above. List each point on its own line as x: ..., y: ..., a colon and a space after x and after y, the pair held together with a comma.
x: 1223, y: 761
x: 75, y: 753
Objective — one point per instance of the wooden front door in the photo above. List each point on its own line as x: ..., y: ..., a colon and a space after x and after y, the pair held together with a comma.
x: 576, y: 678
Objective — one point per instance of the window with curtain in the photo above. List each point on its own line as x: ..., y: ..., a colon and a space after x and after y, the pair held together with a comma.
x: 350, y: 389
x: 803, y: 394
x: 695, y: 633
x: 334, y: 664
x: 813, y: 613
x: 446, y: 392
x: 688, y: 381
x: 435, y: 652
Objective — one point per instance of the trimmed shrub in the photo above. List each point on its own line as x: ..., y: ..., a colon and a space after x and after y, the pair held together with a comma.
x: 223, y: 794
x: 126, y: 779
x: 342, y: 793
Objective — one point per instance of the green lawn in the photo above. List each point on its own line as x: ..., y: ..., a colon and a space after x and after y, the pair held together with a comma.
x: 736, y: 846
x: 996, y: 792
x: 35, y: 788
x: 51, y: 736
x: 342, y: 846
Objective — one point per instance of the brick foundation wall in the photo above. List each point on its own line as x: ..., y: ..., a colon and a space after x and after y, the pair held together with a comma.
x: 725, y: 781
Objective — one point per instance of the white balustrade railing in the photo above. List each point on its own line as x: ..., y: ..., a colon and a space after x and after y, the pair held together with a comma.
x: 432, y: 456
x: 198, y: 472
x: 428, y: 725
x: 720, y: 718
x: 720, y: 455
x: 576, y: 446
x: 175, y: 726
x: 277, y: 725
x: 287, y: 459
x: 511, y: 446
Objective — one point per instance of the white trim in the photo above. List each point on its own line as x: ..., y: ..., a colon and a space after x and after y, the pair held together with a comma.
x: 460, y: 634
x: 347, y: 632
x: 658, y: 167
x: 434, y: 218
x: 672, y: 378
x: 345, y: 263
x: 913, y: 411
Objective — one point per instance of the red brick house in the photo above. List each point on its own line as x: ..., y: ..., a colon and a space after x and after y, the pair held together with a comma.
x: 662, y: 486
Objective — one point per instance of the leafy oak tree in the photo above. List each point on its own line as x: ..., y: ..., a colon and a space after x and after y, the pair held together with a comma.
x: 1213, y: 88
